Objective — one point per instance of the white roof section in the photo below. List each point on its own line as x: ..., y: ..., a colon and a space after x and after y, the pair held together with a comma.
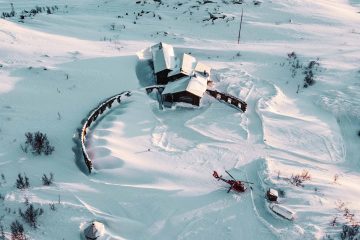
x: 196, y: 85
x: 188, y: 64
x: 94, y: 230
x: 273, y: 192
x: 202, y: 68
x: 163, y: 57
x: 174, y: 72
x: 283, y: 211
x: 179, y: 85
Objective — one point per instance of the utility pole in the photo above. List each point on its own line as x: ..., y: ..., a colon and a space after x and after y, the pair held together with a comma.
x: 242, y: 13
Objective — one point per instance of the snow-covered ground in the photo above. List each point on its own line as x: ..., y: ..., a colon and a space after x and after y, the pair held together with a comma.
x: 153, y: 167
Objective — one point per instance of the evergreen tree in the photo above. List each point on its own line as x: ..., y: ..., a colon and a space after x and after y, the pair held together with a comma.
x: 17, y: 231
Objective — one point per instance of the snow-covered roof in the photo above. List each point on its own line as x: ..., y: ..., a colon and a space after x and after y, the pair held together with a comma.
x: 174, y: 72
x: 195, y: 84
x: 179, y: 85
x: 273, y: 192
x: 283, y: 211
x: 202, y: 68
x: 186, y: 65
x: 94, y: 230
x: 163, y: 57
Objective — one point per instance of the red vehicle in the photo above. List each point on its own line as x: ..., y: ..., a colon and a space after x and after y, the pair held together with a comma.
x: 236, y: 185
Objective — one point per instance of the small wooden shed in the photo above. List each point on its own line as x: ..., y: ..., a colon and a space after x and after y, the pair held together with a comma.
x: 272, y: 195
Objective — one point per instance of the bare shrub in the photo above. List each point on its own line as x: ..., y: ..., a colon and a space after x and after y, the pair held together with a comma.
x: 333, y: 222
x: 305, y: 175
x: 3, y: 178
x: 52, y: 206
x: 282, y: 193
x: 298, y: 179
x: 112, y: 26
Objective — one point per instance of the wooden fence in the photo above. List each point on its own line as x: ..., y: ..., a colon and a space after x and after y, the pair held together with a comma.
x: 160, y: 88
x: 229, y: 99
x: 224, y: 97
x: 99, y: 110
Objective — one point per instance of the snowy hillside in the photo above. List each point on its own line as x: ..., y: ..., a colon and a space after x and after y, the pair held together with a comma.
x: 153, y: 168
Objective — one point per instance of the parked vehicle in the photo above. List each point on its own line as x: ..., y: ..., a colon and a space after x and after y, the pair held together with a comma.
x: 235, y: 184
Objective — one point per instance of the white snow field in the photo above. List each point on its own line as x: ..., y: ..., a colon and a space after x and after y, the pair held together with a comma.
x: 153, y: 168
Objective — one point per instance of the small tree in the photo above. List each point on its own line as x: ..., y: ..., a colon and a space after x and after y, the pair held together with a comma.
x: 2, y: 233
x: 3, y: 178
x: 112, y: 26
x: 22, y: 182
x: 38, y: 142
x: 309, y: 72
x: 17, y: 231
x: 294, y: 63
x: 349, y: 232
x: 52, y: 206
x: 281, y: 192
x: 12, y: 13
x: 31, y: 215
x: 47, y: 181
